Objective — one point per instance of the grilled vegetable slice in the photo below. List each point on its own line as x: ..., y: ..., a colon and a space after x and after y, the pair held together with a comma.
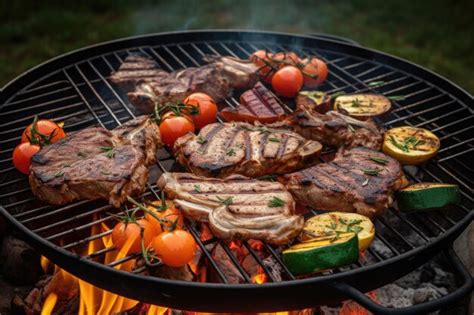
x: 322, y: 253
x: 331, y: 223
x: 317, y: 100
x: 410, y: 145
x: 424, y: 196
x: 362, y: 106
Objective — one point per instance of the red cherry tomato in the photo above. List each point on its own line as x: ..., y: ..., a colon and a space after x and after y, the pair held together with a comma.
x: 314, y: 67
x: 172, y: 127
x: 123, y: 232
x: 175, y: 249
x: 287, y: 58
x: 22, y: 156
x: 47, y: 132
x: 171, y: 215
x: 206, y: 109
x: 261, y: 58
x: 287, y: 81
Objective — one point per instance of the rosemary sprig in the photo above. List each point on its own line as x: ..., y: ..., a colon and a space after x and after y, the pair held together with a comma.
x: 227, y: 201
x: 230, y: 152
x: 109, y: 151
x: 378, y: 160
x: 356, y: 103
x: 274, y: 139
x: 59, y: 173
x: 276, y: 202
x: 371, y: 171
x: 81, y: 154
x: 197, y: 188
x: 396, y: 97
x: 271, y: 178
x: 201, y: 140
x: 401, y: 146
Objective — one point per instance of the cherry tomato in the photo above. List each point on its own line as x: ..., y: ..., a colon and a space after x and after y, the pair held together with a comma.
x: 171, y: 214
x: 287, y: 58
x: 206, y: 109
x: 261, y: 59
x: 176, y: 248
x: 47, y: 132
x: 124, y: 231
x: 287, y: 81
x: 315, y: 67
x: 172, y: 127
x: 22, y: 156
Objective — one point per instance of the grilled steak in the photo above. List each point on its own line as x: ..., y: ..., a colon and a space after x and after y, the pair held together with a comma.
x: 241, y: 148
x: 236, y: 207
x: 256, y: 104
x: 353, y: 182
x: 216, y: 79
x: 137, y: 69
x: 96, y: 163
x: 334, y: 129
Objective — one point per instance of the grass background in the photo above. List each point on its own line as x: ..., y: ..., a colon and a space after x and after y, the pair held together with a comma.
x: 436, y: 34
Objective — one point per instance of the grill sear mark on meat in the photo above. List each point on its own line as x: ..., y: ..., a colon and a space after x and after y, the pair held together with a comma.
x: 236, y: 207
x: 241, y: 148
x: 334, y: 129
x: 217, y: 79
x: 342, y: 184
x: 96, y: 163
x: 256, y: 104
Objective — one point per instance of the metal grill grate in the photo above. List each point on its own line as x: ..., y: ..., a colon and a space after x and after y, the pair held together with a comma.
x: 81, y: 95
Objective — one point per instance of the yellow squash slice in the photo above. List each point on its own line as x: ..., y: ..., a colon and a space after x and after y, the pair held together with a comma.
x: 331, y: 223
x: 362, y: 106
x: 410, y: 145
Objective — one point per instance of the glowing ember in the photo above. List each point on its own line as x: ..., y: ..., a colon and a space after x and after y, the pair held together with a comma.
x: 260, y: 278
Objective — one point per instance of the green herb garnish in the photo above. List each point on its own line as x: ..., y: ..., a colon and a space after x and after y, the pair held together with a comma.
x: 109, y: 151
x: 396, y: 97
x: 276, y: 202
x: 59, y: 173
x: 201, y: 140
x: 230, y: 152
x: 227, y: 201
x: 197, y: 188
x: 372, y: 171
x: 271, y: 178
x: 81, y: 154
x: 401, y: 146
x: 356, y: 103
x: 334, y: 95
x: 378, y: 160
x: 273, y: 139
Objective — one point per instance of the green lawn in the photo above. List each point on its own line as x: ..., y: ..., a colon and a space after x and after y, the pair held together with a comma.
x: 436, y: 34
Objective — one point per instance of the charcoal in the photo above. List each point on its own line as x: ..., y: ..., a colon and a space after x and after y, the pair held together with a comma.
x: 20, y: 262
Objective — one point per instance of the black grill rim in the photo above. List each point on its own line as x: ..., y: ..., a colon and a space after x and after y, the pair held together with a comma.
x: 172, y: 289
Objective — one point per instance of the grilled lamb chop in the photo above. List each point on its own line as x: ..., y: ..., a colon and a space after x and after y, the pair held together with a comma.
x: 236, y: 207
x: 96, y: 163
x: 358, y: 180
x: 333, y: 129
x: 216, y: 79
x: 256, y: 104
x: 240, y: 148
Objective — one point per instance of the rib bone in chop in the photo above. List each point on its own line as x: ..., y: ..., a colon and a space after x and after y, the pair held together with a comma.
x: 241, y: 148
x: 359, y: 180
x: 236, y: 207
x: 96, y: 163
x: 147, y: 85
x: 333, y: 129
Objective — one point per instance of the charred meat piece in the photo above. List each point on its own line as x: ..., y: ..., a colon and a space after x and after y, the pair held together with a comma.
x: 313, y: 100
x: 358, y: 180
x: 216, y: 79
x: 334, y: 129
x: 96, y: 163
x: 236, y: 207
x: 256, y: 104
x: 137, y: 69
x: 241, y: 148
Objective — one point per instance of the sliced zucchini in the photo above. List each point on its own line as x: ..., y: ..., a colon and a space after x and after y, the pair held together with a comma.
x: 328, y: 224
x: 322, y: 253
x: 425, y: 196
x: 362, y: 106
x: 410, y: 145
x: 314, y: 100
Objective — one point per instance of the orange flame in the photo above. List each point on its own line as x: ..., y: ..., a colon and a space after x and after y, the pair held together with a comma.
x: 49, y: 304
x: 260, y: 278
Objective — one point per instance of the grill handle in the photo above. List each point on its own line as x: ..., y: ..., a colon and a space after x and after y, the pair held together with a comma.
x: 423, y: 308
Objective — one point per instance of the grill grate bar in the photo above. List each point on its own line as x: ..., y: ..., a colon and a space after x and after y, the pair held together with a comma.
x: 234, y: 261
x: 259, y: 260
x: 455, y: 155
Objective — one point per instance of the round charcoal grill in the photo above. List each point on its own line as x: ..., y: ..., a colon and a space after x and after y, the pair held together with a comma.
x: 74, y: 88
